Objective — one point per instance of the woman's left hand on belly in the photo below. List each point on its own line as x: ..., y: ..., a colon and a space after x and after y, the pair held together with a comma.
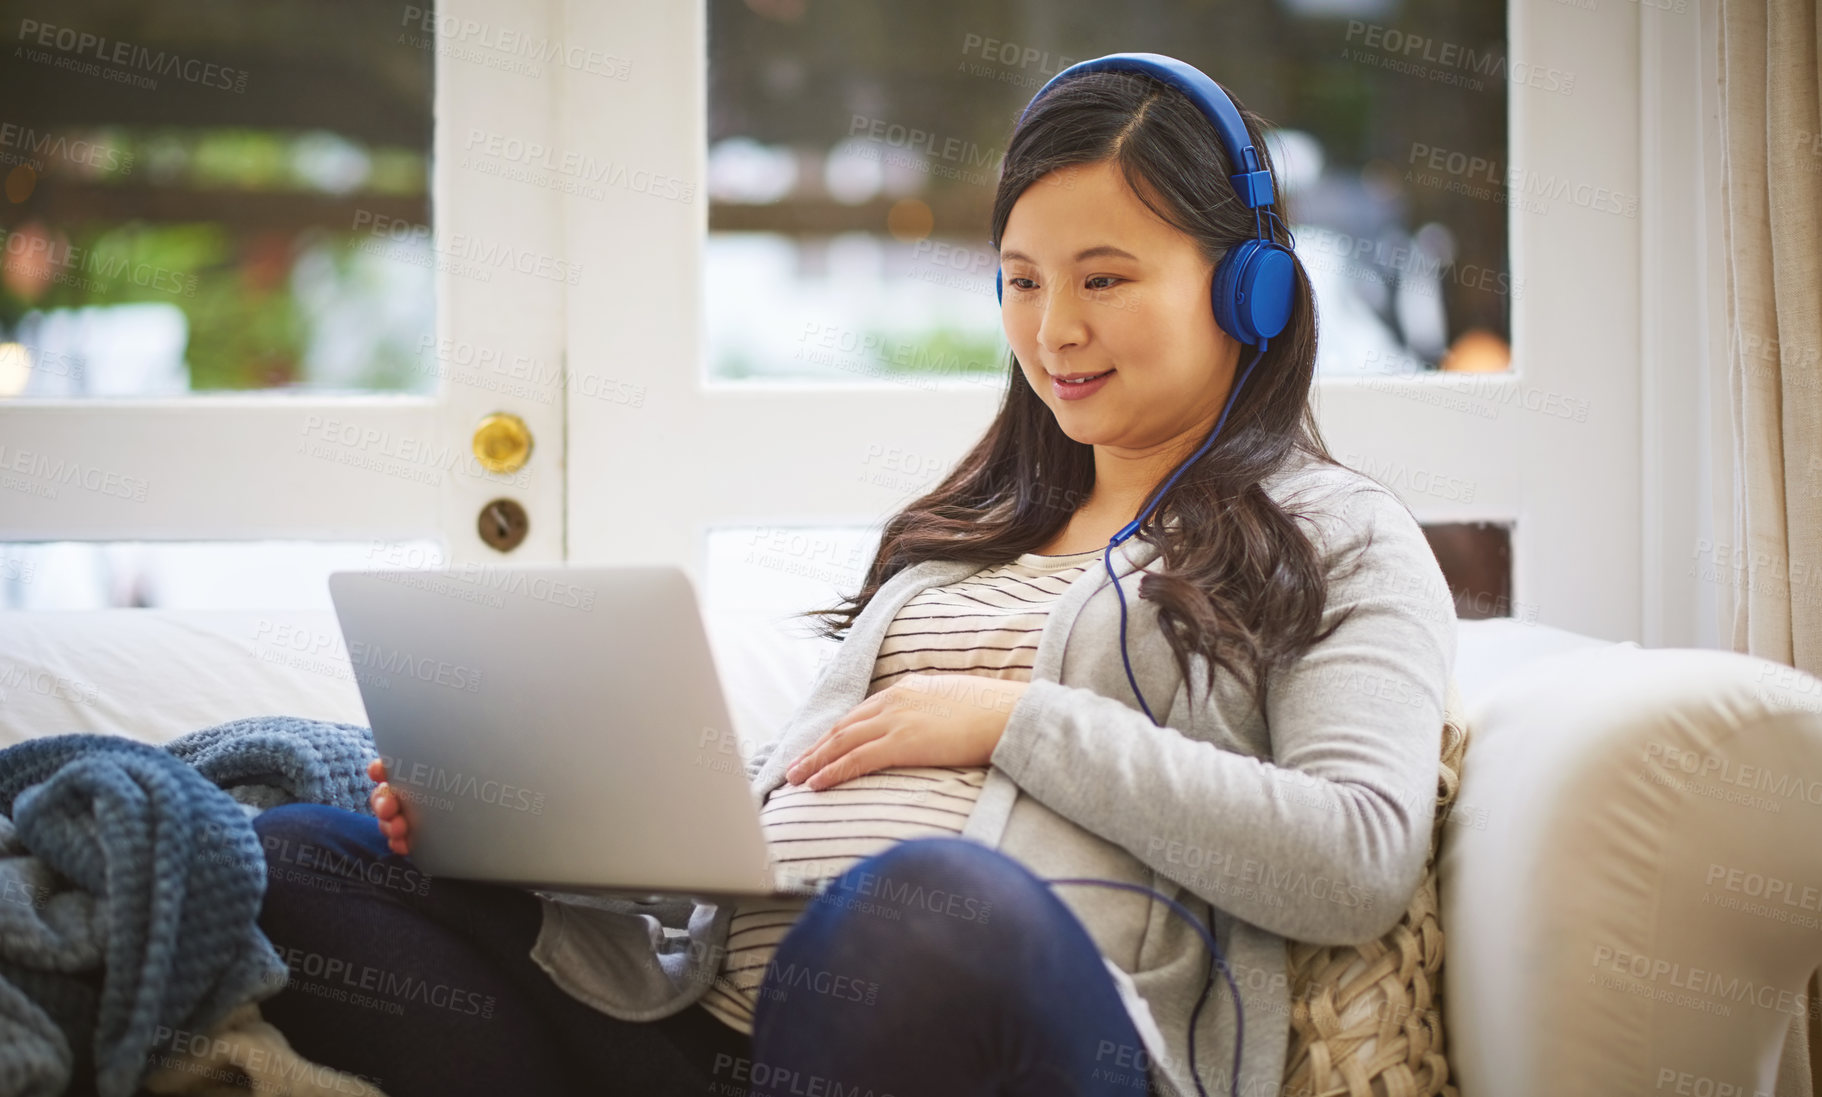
x: 928, y: 718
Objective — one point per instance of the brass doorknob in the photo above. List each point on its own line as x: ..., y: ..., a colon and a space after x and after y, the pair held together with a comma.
x: 502, y: 442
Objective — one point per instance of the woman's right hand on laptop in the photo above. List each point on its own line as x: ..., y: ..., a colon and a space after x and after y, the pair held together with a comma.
x: 385, y: 804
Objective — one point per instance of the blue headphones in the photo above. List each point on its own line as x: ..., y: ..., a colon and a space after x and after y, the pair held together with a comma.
x: 1254, y: 282
x: 1253, y: 291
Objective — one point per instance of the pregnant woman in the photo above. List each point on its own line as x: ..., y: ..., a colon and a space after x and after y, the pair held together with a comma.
x: 1147, y: 632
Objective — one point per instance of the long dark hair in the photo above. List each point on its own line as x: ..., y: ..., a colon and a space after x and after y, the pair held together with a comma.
x: 1240, y: 585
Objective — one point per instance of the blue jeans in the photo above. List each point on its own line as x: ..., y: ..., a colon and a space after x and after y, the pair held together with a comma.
x: 942, y: 966
x: 938, y: 966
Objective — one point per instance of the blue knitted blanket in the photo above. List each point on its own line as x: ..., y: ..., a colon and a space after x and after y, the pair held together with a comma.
x: 130, y: 887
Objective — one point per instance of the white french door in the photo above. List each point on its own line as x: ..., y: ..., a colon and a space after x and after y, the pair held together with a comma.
x: 570, y: 218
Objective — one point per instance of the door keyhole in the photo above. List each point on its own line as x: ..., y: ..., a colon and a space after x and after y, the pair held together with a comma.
x: 503, y: 524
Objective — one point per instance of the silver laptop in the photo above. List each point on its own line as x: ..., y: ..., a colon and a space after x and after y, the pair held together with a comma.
x: 557, y: 727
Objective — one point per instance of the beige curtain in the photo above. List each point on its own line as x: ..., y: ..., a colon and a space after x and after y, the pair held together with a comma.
x: 1770, y: 99
x: 1771, y: 185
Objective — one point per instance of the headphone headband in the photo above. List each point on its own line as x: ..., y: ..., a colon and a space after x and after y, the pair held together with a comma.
x: 1251, y: 182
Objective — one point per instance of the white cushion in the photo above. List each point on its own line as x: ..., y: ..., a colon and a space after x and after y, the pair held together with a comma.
x: 153, y: 675
x: 1646, y: 843
x: 1488, y: 649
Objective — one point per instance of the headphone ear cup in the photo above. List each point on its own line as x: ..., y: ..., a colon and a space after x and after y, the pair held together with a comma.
x: 1221, y: 290
x: 1253, y: 290
x: 1267, y: 290
x: 997, y: 295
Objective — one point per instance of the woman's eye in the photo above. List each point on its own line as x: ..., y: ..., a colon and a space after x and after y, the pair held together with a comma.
x: 1098, y: 282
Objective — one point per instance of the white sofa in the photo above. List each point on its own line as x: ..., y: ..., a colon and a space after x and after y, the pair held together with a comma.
x: 1631, y: 881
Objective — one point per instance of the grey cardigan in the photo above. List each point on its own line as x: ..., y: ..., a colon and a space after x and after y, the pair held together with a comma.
x: 1310, y: 821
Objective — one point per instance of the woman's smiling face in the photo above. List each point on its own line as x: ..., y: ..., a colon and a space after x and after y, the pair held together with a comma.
x: 1094, y: 281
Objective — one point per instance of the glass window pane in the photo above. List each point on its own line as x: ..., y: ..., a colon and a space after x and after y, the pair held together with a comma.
x: 854, y: 150
x: 215, y: 201
x: 1476, y: 560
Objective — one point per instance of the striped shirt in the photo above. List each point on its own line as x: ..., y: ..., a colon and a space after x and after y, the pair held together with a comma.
x: 986, y: 624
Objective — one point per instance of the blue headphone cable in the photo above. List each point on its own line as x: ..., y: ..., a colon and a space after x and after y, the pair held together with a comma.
x: 1214, y: 957
x: 1133, y: 526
